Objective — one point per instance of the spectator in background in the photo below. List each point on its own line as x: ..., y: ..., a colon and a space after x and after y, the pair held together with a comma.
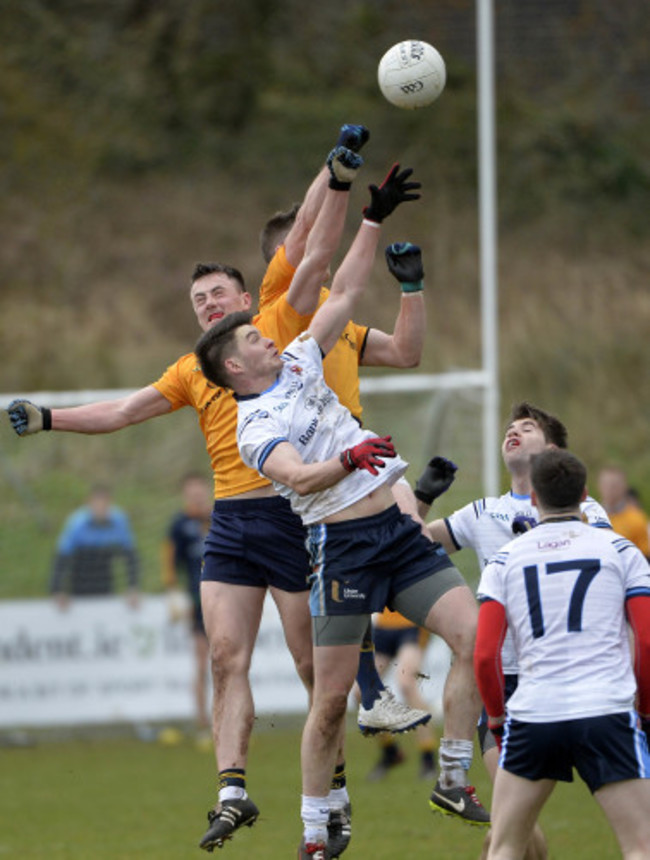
x: 623, y: 508
x: 183, y: 555
x: 93, y: 538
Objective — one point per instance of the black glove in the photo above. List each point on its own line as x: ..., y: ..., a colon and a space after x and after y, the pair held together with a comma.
x: 343, y: 165
x: 436, y: 479
x: 369, y: 454
x: 353, y: 136
x: 27, y: 418
x: 405, y: 263
x: 392, y: 191
x: 522, y: 524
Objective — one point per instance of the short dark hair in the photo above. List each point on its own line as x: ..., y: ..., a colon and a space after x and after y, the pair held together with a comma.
x: 558, y: 478
x: 274, y: 232
x: 553, y: 429
x: 203, y: 269
x: 216, y: 344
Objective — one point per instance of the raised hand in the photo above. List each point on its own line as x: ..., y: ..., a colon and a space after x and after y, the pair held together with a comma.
x: 439, y: 474
x: 395, y: 189
x: 405, y: 263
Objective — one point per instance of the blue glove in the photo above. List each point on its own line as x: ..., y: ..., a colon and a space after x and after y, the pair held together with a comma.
x: 436, y: 479
x: 353, y: 136
x: 393, y: 190
x: 405, y: 263
x: 27, y: 418
x: 343, y: 165
x: 522, y: 524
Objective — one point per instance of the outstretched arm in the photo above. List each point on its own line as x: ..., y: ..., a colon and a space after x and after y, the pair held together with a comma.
x: 352, y: 276
x: 105, y: 416
x: 402, y: 348
x: 352, y: 137
x: 325, y: 236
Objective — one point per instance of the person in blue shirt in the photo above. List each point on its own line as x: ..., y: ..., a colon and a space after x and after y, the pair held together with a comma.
x: 93, y: 539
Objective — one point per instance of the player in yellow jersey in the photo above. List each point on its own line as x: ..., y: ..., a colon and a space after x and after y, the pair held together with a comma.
x: 229, y: 604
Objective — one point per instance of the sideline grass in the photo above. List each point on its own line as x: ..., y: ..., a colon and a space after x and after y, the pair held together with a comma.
x: 122, y: 798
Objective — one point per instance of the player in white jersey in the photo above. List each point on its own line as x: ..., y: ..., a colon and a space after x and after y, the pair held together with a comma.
x: 567, y: 593
x: 364, y: 553
x: 485, y: 525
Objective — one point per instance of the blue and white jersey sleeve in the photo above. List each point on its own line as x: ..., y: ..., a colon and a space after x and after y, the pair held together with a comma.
x: 636, y: 567
x: 594, y: 514
x: 258, y: 434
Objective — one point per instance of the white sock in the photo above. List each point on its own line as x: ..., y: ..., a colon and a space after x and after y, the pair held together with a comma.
x: 338, y: 797
x: 455, y: 759
x: 315, y: 813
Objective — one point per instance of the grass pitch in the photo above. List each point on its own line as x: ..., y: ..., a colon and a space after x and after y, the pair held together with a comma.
x: 123, y: 798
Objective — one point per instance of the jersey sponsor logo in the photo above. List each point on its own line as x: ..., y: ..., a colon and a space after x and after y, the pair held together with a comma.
x: 314, y: 401
x: 546, y: 545
x: 254, y: 416
x: 341, y: 592
x: 309, y: 432
x: 217, y: 394
x: 505, y: 518
x: 295, y: 368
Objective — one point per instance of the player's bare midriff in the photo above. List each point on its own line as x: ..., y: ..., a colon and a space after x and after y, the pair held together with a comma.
x: 374, y: 503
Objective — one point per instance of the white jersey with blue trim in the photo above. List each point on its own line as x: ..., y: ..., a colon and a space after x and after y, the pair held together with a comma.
x: 564, y: 585
x: 486, y: 525
x: 301, y: 409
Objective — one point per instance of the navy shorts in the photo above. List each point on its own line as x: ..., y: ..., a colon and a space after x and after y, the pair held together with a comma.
x: 360, y: 565
x: 388, y: 640
x: 256, y: 542
x: 606, y: 749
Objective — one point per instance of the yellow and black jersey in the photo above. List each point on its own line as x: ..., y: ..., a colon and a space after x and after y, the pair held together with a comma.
x: 183, y: 384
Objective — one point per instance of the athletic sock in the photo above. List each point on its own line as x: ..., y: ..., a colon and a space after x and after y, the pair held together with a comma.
x: 232, y: 784
x: 370, y: 684
x: 338, y: 795
x: 455, y: 758
x: 315, y: 813
x: 390, y: 751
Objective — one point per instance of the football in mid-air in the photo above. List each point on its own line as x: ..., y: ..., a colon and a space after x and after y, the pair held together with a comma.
x: 411, y: 74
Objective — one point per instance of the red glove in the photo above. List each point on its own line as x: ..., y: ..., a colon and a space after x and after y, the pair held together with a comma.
x: 369, y: 454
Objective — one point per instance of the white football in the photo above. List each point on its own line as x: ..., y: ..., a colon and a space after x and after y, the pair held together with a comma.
x: 411, y: 74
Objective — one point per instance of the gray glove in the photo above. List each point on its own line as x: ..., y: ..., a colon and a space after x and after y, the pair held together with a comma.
x: 27, y: 418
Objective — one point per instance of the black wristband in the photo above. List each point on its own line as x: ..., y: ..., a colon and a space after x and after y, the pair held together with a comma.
x: 47, y: 418
x: 337, y: 185
x: 427, y: 498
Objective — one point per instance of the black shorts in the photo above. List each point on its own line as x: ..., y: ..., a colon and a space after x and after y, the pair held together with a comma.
x: 606, y: 749
x: 256, y: 542
x: 388, y: 640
